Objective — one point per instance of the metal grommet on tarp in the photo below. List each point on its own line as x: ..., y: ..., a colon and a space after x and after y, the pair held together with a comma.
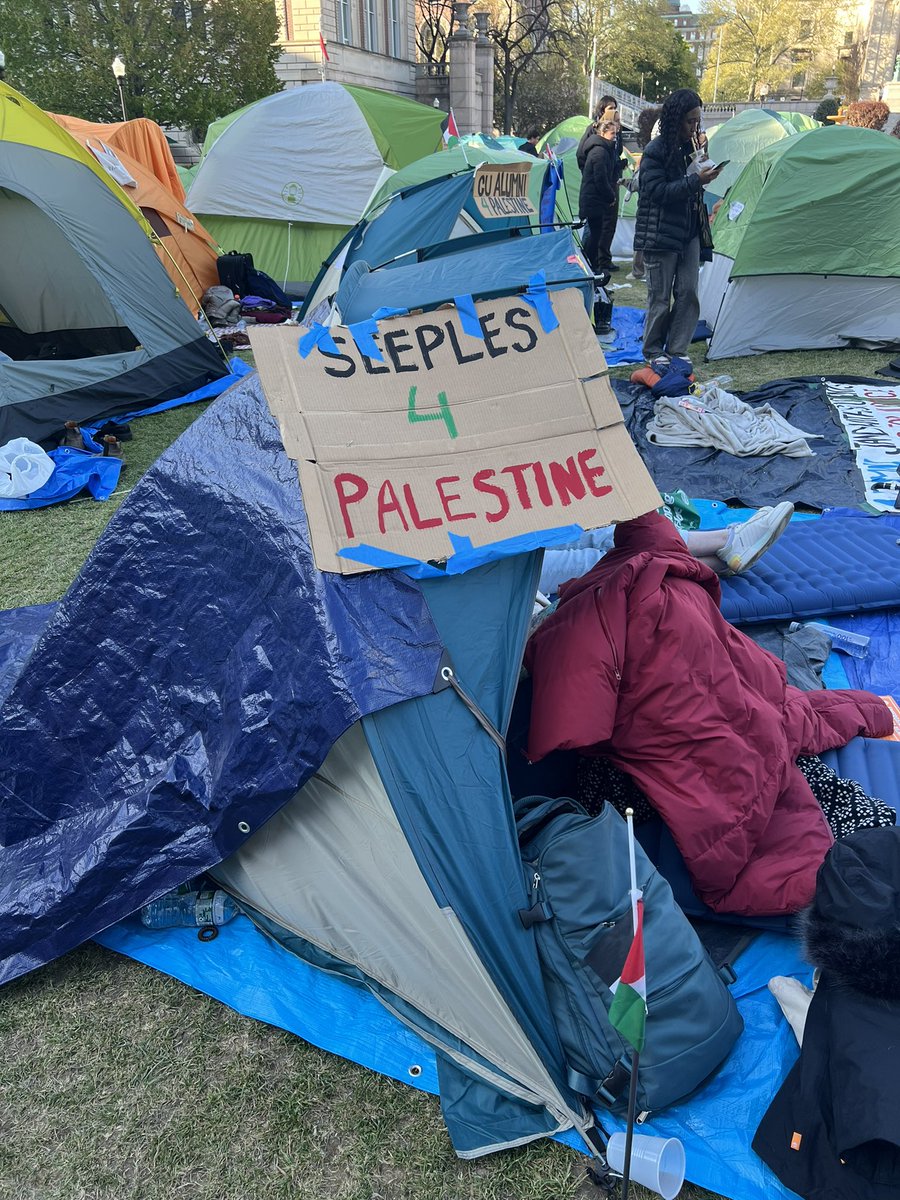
x: 207, y: 933
x: 243, y: 827
x: 415, y: 1070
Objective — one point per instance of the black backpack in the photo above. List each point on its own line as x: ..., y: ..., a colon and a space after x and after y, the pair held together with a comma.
x: 236, y: 271
x: 577, y: 868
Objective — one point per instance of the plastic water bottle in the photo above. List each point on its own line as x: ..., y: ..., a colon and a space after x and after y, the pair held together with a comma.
x: 189, y: 908
x: 845, y: 640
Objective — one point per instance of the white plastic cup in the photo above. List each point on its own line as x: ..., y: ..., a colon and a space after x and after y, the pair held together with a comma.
x: 656, y: 1163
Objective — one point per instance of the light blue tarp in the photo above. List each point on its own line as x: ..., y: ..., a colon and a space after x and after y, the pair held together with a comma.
x: 716, y: 1124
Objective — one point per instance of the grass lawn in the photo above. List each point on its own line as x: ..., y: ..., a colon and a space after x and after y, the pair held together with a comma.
x: 117, y: 1083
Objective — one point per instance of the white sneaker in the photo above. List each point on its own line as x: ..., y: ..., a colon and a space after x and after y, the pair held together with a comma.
x: 747, y: 543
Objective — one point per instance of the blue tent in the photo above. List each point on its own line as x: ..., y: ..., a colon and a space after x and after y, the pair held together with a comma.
x: 411, y: 222
x: 185, y: 716
x: 481, y: 266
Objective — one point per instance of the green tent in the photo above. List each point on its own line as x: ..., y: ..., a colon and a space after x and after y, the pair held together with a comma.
x: 740, y: 138
x: 286, y: 177
x: 800, y: 121
x: 806, y: 249
x: 565, y: 135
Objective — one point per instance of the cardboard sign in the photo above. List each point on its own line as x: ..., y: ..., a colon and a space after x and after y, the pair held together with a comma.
x: 501, y: 190
x: 484, y: 437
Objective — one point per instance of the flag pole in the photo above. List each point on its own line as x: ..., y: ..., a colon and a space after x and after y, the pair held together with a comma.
x: 635, y: 1056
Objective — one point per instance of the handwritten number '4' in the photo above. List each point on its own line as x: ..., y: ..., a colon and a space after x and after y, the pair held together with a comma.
x: 444, y: 415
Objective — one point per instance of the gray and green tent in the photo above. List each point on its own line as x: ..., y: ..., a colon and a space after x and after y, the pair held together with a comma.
x: 736, y: 141
x: 806, y: 248
x: 90, y: 323
x: 287, y: 177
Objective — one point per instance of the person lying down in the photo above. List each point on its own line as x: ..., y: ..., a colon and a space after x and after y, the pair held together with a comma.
x: 638, y: 666
x: 728, y: 551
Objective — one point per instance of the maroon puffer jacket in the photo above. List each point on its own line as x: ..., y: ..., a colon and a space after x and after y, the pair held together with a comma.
x: 638, y: 664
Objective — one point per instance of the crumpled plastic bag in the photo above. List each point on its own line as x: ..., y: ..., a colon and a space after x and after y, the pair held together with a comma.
x: 24, y: 467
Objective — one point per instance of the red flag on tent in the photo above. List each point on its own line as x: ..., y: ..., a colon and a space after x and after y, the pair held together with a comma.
x: 448, y: 129
x: 323, y: 47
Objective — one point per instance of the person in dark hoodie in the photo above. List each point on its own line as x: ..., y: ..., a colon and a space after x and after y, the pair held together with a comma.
x: 598, y: 199
x: 607, y: 110
x: 671, y: 223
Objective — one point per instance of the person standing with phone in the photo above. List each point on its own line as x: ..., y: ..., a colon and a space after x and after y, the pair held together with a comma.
x: 672, y: 230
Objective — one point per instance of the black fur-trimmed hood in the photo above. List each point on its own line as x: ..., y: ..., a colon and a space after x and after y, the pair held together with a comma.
x: 852, y: 928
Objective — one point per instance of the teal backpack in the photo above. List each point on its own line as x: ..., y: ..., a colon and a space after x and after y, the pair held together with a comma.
x: 580, y: 913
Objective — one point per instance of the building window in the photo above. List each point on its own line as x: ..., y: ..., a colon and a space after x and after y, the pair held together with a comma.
x: 849, y: 38
x: 344, y: 22
x: 281, y: 11
x: 370, y: 11
x: 805, y: 30
x: 395, y: 29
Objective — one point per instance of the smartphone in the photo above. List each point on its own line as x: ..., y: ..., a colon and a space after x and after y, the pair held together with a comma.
x: 723, y: 163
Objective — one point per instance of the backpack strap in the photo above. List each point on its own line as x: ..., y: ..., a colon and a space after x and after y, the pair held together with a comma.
x: 607, y: 1091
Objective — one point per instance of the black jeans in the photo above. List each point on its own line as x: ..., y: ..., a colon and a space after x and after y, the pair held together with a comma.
x: 598, y: 236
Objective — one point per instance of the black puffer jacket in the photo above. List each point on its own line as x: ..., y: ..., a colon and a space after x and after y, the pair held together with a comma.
x: 598, y: 179
x: 591, y: 138
x: 668, y: 200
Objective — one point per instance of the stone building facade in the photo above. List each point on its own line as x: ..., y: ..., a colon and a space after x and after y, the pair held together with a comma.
x: 369, y: 42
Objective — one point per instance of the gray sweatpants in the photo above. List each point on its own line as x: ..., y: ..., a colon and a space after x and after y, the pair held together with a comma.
x: 675, y: 277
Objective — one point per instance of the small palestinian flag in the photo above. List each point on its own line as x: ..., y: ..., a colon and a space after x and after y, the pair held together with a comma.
x: 323, y: 48
x: 628, y: 1011
x: 449, y: 132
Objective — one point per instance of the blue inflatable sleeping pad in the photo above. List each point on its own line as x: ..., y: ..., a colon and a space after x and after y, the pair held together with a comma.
x: 819, y: 568
x: 872, y: 762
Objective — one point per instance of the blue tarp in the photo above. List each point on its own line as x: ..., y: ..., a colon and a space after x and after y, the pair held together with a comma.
x: 830, y: 477
x: 197, y: 693
x: 716, y: 1124
x: 77, y: 470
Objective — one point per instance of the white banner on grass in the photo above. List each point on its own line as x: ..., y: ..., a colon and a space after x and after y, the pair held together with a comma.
x: 870, y: 416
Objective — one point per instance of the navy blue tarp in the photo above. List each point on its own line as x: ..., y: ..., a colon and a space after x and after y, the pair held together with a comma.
x: 830, y: 477
x: 196, y: 673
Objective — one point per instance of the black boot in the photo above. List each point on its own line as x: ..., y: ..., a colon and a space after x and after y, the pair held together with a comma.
x: 603, y: 310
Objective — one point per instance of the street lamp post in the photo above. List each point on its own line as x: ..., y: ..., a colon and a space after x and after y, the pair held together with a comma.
x: 118, y: 70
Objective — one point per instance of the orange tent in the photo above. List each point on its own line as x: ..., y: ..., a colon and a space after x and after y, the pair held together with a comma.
x: 137, y: 156
x: 140, y: 139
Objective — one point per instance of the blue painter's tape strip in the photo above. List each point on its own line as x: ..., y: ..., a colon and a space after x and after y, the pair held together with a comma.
x: 538, y: 297
x: 375, y: 557
x: 363, y: 333
x: 380, y: 314
x: 468, y: 317
x: 318, y: 335
x: 467, y: 556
